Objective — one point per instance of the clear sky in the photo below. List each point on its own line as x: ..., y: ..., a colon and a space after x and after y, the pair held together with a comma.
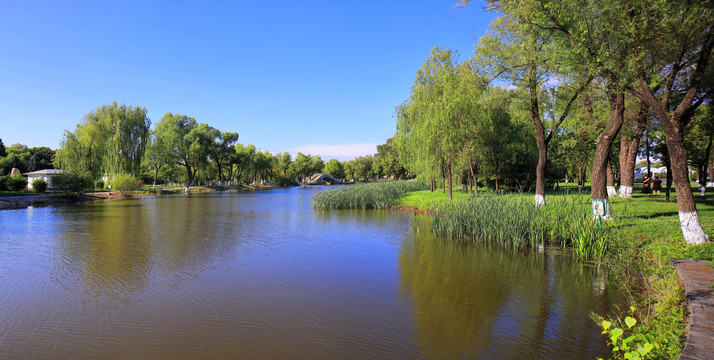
x: 320, y: 77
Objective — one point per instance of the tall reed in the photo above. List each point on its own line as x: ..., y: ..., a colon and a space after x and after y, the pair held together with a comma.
x: 513, y: 220
x: 507, y: 220
x: 378, y: 195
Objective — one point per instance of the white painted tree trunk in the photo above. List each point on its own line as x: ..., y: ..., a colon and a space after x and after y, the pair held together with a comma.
x: 539, y: 201
x: 625, y: 191
x: 692, y: 228
x: 611, y: 191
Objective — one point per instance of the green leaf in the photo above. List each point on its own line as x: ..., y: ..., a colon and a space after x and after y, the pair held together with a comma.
x: 606, y: 324
x: 630, y: 322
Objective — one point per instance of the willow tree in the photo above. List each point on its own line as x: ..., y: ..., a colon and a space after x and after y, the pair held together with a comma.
x: 112, y: 139
x: 432, y: 125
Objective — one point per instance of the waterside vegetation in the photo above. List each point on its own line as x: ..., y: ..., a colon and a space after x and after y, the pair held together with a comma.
x: 636, y: 246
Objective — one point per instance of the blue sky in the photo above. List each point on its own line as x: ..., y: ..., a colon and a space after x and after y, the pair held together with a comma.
x: 320, y: 77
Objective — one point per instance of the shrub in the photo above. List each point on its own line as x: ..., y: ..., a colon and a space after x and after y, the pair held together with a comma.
x: 98, y: 184
x: 125, y: 184
x: 39, y: 185
x: 73, y: 182
x: 3, y: 183
x: 16, y: 183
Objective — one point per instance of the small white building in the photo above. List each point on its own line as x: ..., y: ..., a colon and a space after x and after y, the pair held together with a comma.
x: 50, y: 176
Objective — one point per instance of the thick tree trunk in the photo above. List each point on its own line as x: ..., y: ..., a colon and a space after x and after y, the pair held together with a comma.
x: 673, y: 125
x: 602, y: 153
x: 688, y: 217
x: 628, y: 152
x: 611, y: 190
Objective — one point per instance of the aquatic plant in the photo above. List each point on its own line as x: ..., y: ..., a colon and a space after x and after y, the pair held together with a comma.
x: 507, y: 220
x: 377, y: 195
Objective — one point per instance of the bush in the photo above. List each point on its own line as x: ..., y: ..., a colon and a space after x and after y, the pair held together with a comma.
x: 125, y: 184
x: 74, y: 182
x: 286, y: 181
x: 39, y: 185
x: 98, y: 184
x: 3, y: 183
x: 16, y: 183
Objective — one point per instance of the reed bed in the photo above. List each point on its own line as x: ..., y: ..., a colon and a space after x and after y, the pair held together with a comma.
x: 378, y: 195
x: 513, y: 220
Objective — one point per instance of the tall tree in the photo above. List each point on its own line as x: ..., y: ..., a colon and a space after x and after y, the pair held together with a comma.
x: 110, y: 139
x: 517, y: 52
x: 222, y: 150
x: 657, y: 50
x: 186, y: 142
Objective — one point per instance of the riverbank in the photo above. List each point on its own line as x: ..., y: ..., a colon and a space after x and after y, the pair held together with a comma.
x: 639, y: 245
x: 54, y: 199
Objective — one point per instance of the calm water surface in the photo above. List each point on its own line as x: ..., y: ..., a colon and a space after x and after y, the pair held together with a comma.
x: 262, y: 276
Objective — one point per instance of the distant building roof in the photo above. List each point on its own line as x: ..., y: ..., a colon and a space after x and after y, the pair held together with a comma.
x: 45, y: 172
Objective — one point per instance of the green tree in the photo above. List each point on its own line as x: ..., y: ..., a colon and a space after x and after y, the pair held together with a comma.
x: 335, y: 168
x: 186, y: 143
x: 222, y: 151
x: 656, y: 51
x: 3, y: 153
x: 111, y: 139
x: 517, y: 52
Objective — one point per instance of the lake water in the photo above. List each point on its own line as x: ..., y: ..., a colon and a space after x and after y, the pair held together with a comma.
x: 260, y: 275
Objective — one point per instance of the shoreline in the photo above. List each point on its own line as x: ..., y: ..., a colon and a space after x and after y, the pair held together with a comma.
x: 26, y: 201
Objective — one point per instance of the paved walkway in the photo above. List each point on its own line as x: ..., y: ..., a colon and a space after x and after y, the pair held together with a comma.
x: 698, y: 278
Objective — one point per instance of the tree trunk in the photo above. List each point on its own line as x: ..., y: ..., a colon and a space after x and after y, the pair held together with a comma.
x: 669, y: 180
x: 448, y: 173
x: 540, y: 141
x: 649, y: 151
x: 473, y: 175
x: 711, y: 168
x: 611, y: 190
x: 673, y: 126
x: 628, y: 152
x: 542, y: 160
x: 703, y: 167
x: 605, y: 139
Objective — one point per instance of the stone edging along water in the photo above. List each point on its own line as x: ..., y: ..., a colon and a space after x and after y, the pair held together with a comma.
x: 697, y: 278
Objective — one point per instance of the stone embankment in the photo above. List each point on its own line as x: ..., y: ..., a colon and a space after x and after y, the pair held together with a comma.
x: 697, y: 278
